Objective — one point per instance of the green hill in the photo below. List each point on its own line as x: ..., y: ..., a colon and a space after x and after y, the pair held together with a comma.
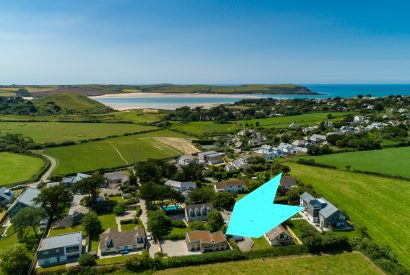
x: 69, y: 103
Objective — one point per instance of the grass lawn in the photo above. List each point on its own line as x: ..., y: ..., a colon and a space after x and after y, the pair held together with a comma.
x: 108, y: 153
x: 76, y: 228
x: 260, y: 243
x: 108, y: 220
x: 16, y: 167
x: 345, y: 263
x: 40, y: 131
x: 391, y: 161
x: 380, y: 204
x: 9, y: 239
x: 240, y: 196
x: 114, y: 260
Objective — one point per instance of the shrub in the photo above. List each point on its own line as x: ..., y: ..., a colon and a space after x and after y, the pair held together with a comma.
x: 179, y: 224
x: 138, y: 211
x: 86, y: 260
x: 120, y: 209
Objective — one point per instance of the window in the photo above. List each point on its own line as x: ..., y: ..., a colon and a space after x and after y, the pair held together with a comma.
x: 72, y: 249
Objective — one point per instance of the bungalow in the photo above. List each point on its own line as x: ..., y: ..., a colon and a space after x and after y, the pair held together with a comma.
x: 114, y: 242
x: 73, y: 179
x: 197, y: 212
x: 117, y: 177
x: 316, y: 139
x: 269, y: 153
x: 181, y: 186
x: 278, y: 236
x: 205, y: 241
x: 6, y: 195
x: 59, y: 249
x: 25, y: 200
x: 211, y: 157
x: 322, y: 212
x: 288, y: 182
x: 186, y: 159
x: 233, y: 186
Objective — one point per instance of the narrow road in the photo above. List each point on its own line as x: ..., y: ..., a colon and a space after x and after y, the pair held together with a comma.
x: 53, y: 164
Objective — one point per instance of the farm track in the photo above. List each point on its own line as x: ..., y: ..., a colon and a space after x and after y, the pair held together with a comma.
x: 119, y: 153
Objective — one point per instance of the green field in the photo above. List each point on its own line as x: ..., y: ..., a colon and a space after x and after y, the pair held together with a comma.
x: 139, y: 116
x: 58, y: 132
x: 16, y: 168
x: 380, y: 204
x: 345, y: 263
x: 392, y: 161
x: 103, y: 154
x: 200, y: 128
x: 284, y: 121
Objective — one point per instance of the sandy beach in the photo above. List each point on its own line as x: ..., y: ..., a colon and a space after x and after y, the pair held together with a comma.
x: 174, y: 95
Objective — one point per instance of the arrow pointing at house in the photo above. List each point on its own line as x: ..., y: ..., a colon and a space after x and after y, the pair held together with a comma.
x: 255, y: 214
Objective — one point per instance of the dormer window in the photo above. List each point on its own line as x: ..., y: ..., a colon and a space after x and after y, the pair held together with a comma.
x: 108, y: 242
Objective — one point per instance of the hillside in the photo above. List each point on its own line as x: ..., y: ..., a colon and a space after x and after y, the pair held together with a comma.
x: 96, y: 89
x: 69, y: 103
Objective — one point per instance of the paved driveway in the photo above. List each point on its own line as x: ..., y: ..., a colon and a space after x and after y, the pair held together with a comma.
x: 176, y: 248
x: 151, y: 247
x: 245, y: 245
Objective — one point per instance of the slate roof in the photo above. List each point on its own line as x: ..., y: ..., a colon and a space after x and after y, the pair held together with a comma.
x: 27, y: 197
x: 306, y: 197
x: 6, y: 193
x: 63, y: 240
x: 287, y: 181
x: 121, y: 238
x: 328, y: 210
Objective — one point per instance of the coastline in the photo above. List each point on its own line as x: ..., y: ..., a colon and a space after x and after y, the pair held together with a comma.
x: 175, y: 95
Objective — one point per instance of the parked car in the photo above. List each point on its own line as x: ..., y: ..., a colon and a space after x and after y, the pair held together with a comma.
x: 149, y: 236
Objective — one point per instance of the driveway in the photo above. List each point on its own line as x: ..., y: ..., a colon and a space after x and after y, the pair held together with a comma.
x: 226, y: 215
x: 151, y: 247
x: 176, y: 248
x: 245, y: 245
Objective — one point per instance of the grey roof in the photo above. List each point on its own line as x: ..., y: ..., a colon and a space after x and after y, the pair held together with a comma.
x: 63, y: 240
x: 6, y: 193
x: 328, y: 210
x: 306, y: 196
x: 76, y: 178
x: 118, y: 175
x: 27, y: 197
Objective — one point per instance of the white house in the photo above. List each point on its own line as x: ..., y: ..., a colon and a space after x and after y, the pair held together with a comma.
x: 211, y: 157
x: 233, y: 186
x: 186, y: 159
x: 181, y: 186
x: 73, y: 179
x: 59, y: 249
x: 359, y: 119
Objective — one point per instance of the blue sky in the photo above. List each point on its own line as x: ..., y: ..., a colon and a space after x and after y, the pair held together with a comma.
x: 198, y: 41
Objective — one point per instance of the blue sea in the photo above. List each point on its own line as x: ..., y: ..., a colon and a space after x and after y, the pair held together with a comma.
x: 325, y: 90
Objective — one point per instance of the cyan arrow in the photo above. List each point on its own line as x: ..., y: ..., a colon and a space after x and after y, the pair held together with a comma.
x: 255, y: 214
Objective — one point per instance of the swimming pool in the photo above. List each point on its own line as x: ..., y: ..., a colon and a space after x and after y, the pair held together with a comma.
x: 172, y: 208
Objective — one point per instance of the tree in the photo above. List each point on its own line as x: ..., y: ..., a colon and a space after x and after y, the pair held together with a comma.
x: 120, y: 209
x: 28, y: 217
x: 215, y: 220
x: 91, y: 224
x: 158, y: 223
x: 90, y: 186
x: 201, y: 195
x: 54, y: 200
x: 15, y: 260
x: 224, y: 200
